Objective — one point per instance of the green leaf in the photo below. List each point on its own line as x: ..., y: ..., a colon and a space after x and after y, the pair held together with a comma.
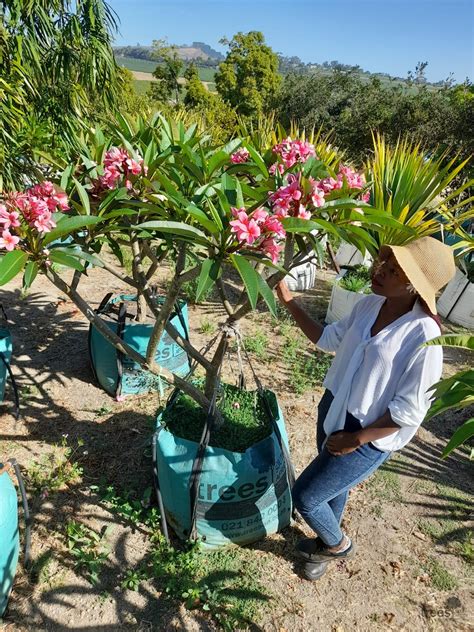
x: 267, y: 294
x: 462, y: 434
x: 12, y: 264
x: 78, y: 253
x: 249, y: 277
x: 31, y: 270
x: 210, y: 272
x: 59, y: 256
x: 176, y: 228
x: 83, y: 196
x: 465, y: 341
x: 219, y: 159
x: 257, y: 160
x: 70, y: 225
x: 202, y: 218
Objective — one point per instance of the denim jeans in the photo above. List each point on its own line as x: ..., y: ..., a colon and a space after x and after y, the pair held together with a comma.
x: 320, y: 493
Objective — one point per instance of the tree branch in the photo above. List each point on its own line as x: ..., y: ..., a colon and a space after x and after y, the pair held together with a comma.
x: 122, y: 346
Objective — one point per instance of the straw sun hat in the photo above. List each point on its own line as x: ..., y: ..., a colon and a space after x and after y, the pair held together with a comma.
x: 428, y: 265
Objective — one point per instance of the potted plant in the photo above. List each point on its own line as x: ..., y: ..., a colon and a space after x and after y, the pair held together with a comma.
x: 348, y: 289
x: 457, y: 301
x: 165, y: 193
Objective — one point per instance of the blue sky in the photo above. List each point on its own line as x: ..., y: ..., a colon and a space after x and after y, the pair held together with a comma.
x: 378, y: 35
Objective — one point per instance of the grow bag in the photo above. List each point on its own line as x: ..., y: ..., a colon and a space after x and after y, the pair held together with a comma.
x: 302, y: 277
x: 120, y: 375
x: 341, y: 303
x: 222, y: 497
x: 5, y: 369
x: 347, y: 254
x: 456, y: 303
x: 9, y: 533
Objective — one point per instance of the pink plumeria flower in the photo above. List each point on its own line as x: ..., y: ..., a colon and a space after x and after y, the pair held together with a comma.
x: 303, y: 213
x: 260, y: 215
x: 9, y: 219
x: 247, y: 231
x: 8, y: 241
x: 273, y: 225
x: 271, y: 248
x: 239, y: 156
x: 276, y: 166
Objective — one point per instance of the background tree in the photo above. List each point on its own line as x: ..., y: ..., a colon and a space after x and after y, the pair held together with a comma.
x: 55, y: 60
x: 168, y: 71
x: 196, y: 93
x: 248, y: 78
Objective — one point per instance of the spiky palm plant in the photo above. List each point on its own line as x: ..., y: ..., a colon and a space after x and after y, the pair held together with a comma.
x: 419, y: 189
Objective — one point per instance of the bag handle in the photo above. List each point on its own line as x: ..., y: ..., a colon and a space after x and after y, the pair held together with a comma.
x: 14, y: 384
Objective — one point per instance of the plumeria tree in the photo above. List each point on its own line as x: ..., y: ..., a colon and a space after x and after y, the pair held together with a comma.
x: 166, y: 193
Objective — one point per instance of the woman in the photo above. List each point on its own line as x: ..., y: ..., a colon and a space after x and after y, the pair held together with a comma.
x: 376, y: 389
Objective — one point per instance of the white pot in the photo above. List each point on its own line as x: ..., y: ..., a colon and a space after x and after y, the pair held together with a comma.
x: 302, y: 277
x: 341, y: 303
x: 456, y: 303
x: 349, y: 255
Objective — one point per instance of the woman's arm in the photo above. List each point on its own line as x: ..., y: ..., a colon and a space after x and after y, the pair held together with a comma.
x: 344, y: 442
x: 310, y: 327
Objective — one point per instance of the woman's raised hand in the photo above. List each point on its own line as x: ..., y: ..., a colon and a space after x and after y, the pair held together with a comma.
x: 283, y: 293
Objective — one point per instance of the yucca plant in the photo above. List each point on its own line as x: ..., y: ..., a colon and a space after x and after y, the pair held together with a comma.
x: 456, y: 392
x: 419, y: 189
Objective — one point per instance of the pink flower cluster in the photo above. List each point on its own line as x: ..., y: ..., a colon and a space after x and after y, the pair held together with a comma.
x: 259, y: 229
x: 119, y: 165
x: 294, y: 151
x: 35, y: 207
x: 239, y: 156
x: 289, y: 201
x: 353, y: 179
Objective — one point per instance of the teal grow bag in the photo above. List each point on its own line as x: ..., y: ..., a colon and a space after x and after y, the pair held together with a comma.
x: 236, y: 498
x: 5, y: 358
x: 9, y: 532
x: 120, y: 375
x: 5, y: 369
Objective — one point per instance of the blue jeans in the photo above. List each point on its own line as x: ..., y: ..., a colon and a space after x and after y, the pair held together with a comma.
x: 320, y: 493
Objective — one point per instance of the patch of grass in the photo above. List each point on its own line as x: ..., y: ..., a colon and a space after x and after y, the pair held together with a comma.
x: 305, y: 371
x: 245, y: 419
x: 385, y: 485
x: 257, y: 344
x: 441, y: 578
x: 207, y: 328
x: 88, y: 547
x: 56, y: 470
x: 223, y: 583
x: 141, y: 86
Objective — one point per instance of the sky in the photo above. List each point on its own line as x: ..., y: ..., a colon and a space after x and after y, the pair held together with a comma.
x: 378, y: 35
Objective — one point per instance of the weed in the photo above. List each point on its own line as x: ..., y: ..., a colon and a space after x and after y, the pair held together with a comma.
x: 88, y: 548
x: 257, y: 344
x: 133, y: 578
x: 441, y: 578
x: 55, y: 470
x: 136, y: 512
x: 28, y: 392
x: 103, y: 410
x: 207, y: 327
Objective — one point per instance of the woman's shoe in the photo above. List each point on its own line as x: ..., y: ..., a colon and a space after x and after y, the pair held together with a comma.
x: 315, y: 551
x: 312, y: 571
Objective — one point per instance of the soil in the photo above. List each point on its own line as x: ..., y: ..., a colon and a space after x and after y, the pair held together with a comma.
x: 409, y: 521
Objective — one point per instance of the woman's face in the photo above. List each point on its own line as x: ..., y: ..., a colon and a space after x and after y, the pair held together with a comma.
x: 388, y: 279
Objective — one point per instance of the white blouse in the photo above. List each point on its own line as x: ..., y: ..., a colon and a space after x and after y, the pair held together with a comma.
x: 390, y: 370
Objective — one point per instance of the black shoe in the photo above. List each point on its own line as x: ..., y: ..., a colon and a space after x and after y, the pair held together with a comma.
x: 312, y: 571
x: 308, y: 547
x: 314, y: 550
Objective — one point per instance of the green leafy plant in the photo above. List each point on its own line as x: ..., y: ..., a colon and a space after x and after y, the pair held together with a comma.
x: 56, y: 470
x: 257, y: 344
x: 356, y: 279
x: 137, y: 512
x: 456, y: 392
x: 88, y: 547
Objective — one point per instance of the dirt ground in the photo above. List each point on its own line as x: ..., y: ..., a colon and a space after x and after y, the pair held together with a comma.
x: 411, y: 521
